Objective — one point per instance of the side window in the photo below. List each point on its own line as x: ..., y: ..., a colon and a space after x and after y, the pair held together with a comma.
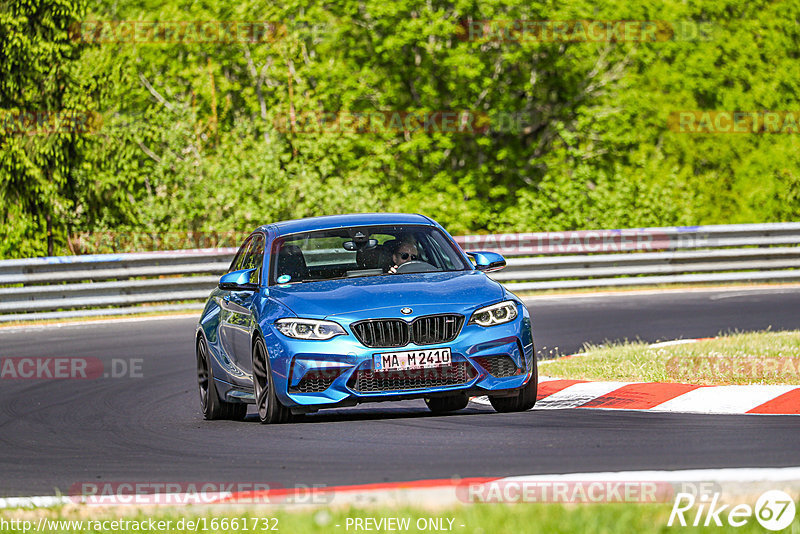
x: 442, y: 249
x: 236, y: 264
x: 254, y: 259
x: 423, y: 248
x: 441, y: 254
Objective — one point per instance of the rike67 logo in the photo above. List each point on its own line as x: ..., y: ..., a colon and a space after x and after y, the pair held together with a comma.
x: 774, y: 510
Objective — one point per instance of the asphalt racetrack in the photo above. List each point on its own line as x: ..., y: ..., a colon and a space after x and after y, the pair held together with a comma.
x: 58, y: 433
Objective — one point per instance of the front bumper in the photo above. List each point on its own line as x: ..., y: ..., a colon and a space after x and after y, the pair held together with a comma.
x: 340, y: 372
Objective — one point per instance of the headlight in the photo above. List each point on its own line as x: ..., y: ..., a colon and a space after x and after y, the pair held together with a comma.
x: 500, y: 313
x: 309, y: 328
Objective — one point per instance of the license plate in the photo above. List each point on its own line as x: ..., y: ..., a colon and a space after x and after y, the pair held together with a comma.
x: 412, y: 359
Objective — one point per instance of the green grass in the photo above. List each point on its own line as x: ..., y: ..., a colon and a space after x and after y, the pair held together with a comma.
x: 739, y: 358
x: 476, y: 519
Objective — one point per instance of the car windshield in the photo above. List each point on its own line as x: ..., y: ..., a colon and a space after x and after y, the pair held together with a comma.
x: 362, y: 251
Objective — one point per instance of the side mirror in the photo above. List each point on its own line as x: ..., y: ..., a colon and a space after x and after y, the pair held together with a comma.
x: 487, y: 261
x: 238, y: 281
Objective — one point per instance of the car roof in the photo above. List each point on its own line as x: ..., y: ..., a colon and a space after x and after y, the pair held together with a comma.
x: 338, y: 221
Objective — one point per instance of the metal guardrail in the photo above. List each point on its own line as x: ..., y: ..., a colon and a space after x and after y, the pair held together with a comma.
x: 61, y: 287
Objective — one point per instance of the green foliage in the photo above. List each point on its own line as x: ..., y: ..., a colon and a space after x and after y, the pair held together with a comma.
x: 197, y: 135
x: 43, y: 84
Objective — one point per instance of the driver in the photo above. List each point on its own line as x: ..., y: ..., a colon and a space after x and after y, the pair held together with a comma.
x: 404, y: 253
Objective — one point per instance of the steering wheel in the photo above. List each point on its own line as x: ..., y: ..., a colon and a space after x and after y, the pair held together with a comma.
x: 415, y: 266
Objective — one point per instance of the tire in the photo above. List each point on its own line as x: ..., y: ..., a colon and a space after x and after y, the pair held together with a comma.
x: 522, y: 401
x: 270, y: 409
x: 212, y: 406
x: 447, y: 404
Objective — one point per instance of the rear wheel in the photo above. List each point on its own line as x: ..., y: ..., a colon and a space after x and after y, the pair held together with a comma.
x: 270, y: 410
x: 522, y: 401
x: 447, y: 404
x: 210, y: 403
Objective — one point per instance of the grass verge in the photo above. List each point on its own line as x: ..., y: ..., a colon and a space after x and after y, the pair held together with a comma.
x: 739, y: 358
x: 633, y: 289
x: 471, y: 519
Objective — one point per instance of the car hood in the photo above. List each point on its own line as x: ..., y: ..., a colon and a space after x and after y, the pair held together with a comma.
x: 358, y: 298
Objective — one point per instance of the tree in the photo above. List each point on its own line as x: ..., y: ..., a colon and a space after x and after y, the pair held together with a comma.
x: 46, y: 98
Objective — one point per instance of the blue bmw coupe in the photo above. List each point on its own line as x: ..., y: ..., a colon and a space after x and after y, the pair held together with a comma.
x: 334, y: 311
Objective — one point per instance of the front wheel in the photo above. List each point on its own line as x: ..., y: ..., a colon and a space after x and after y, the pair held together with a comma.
x: 522, y: 401
x: 447, y: 404
x: 212, y: 406
x: 270, y: 410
